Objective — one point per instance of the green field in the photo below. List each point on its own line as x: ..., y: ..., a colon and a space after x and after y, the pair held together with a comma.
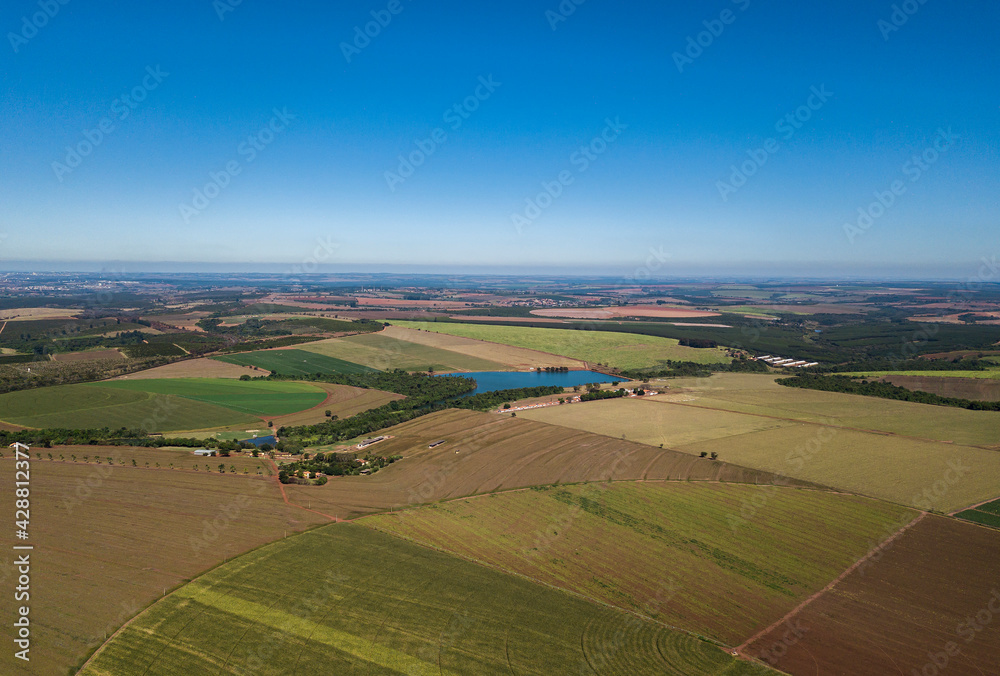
x: 681, y: 553
x: 95, y: 407
x: 260, y: 398
x: 988, y: 514
x: 383, y: 352
x: 344, y: 599
x: 619, y: 350
x: 294, y: 362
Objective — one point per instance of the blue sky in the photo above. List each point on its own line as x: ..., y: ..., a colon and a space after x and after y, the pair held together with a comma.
x: 314, y: 136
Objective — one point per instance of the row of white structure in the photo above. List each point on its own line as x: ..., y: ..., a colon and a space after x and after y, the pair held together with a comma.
x: 788, y: 363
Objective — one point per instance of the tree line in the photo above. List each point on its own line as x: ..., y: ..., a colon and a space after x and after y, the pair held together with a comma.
x: 847, y: 385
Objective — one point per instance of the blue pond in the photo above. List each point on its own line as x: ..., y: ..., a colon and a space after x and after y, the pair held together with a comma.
x: 260, y: 441
x: 488, y: 381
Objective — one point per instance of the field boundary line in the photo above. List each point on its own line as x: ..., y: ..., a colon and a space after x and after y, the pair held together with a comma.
x: 976, y: 506
x: 586, y: 364
x: 857, y: 564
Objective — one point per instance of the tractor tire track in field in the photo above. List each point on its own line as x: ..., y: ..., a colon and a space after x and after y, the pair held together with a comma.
x: 740, y: 650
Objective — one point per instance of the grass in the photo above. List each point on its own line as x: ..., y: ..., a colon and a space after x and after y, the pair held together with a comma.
x: 257, y: 398
x: 110, y: 538
x: 347, y: 600
x: 97, y: 406
x: 294, y: 362
x: 383, y: 352
x: 669, y: 551
x: 619, y: 350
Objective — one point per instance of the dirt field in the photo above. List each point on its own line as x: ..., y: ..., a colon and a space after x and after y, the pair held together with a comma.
x: 196, y: 368
x: 86, y: 356
x: 934, y: 591
x: 666, y: 549
x: 109, y: 539
x: 36, y: 313
x: 485, y: 452
x: 515, y: 357
x: 343, y: 402
x: 977, y: 389
x: 626, y: 311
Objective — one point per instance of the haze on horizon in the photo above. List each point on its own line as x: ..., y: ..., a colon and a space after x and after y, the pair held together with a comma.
x: 732, y: 136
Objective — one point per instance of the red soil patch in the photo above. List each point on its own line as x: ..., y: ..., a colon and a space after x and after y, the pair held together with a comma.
x: 931, y: 598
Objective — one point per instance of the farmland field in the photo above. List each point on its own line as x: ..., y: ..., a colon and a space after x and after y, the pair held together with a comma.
x: 347, y: 600
x: 669, y: 551
x: 989, y: 374
x: 90, y: 354
x: 258, y: 398
x: 195, y: 368
x: 759, y: 394
x: 890, y: 467
x: 895, y: 614
x: 976, y: 389
x: 644, y: 421
x: 109, y: 539
x: 384, y: 352
x: 620, y: 350
x: 988, y: 514
x: 93, y: 406
x: 484, y: 452
x: 342, y: 401
x: 294, y: 362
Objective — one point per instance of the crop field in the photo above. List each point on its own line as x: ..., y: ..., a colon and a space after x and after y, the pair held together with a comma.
x: 484, y: 452
x: 976, y: 389
x: 196, y: 368
x: 668, y: 551
x: 294, y: 362
x: 385, y: 352
x: 759, y: 394
x: 897, y: 614
x: 620, y: 350
x: 987, y: 515
x: 260, y: 398
x: 647, y: 422
x: 990, y: 374
x: 94, y: 406
x: 925, y: 474
x: 109, y: 539
x: 166, y: 458
x: 348, y: 600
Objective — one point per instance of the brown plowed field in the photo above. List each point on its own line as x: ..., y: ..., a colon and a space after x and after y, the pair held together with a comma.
x: 485, y: 452
x: 977, y: 389
x: 935, y: 590
x: 196, y: 368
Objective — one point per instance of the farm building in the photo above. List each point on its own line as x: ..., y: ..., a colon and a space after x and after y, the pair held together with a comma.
x: 204, y: 452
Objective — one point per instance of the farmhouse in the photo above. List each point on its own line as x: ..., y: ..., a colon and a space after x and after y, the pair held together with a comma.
x: 204, y: 452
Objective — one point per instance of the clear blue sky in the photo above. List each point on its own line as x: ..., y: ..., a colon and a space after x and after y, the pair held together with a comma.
x: 657, y: 185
